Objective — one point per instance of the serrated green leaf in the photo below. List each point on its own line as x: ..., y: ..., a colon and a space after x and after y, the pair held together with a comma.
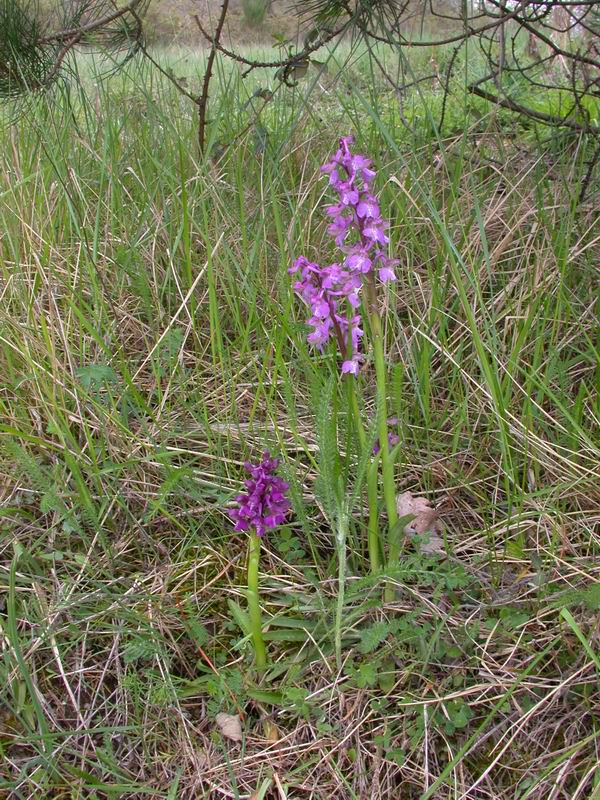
x: 372, y: 637
x: 592, y: 597
x: 196, y: 630
x: 366, y: 675
x: 327, y: 484
x: 96, y: 376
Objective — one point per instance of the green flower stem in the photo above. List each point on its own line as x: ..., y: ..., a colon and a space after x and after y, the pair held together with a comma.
x: 387, y: 472
x: 375, y: 548
x: 355, y: 410
x: 374, y: 544
x: 341, y: 535
x: 387, y: 468
x: 254, y: 612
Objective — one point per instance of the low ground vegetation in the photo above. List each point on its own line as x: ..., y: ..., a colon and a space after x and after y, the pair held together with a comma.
x: 150, y: 342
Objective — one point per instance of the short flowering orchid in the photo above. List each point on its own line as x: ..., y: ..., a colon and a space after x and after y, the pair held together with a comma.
x: 264, y: 505
x: 333, y: 293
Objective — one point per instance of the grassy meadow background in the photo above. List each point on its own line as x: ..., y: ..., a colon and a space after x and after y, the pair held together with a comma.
x: 150, y: 343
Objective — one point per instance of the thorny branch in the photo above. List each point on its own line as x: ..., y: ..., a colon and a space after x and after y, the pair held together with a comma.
x: 203, y: 99
x: 290, y: 61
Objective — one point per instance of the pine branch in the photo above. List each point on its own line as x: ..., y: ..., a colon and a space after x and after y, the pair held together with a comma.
x: 31, y: 59
x: 82, y: 30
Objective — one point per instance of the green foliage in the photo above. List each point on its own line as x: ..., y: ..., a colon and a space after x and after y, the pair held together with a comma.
x: 588, y: 596
x: 141, y: 648
x: 96, y: 376
x: 328, y: 485
x: 296, y: 699
x: 369, y: 14
x: 372, y: 637
x: 511, y: 618
x: 459, y: 715
x: 290, y: 546
x: 255, y: 11
x: 365, y: 676
x: 48, y: 484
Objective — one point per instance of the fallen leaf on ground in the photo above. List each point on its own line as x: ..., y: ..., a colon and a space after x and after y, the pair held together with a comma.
x: 426, y: 521
x: 230, y: 726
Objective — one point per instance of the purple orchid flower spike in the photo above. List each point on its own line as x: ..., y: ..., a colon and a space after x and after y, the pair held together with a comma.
x: 264, y: 505
x: 325, y: 290
x: 359, y: 230
x: 358, y: 213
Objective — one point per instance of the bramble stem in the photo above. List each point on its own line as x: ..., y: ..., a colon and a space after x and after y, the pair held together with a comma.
x: 254, y: 612
x: 202, y: 101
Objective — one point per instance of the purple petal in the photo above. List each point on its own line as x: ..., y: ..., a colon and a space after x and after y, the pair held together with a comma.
x: 359, y: 262
x: 368, y: 208
x: 387, y: 274
x: 350, y: 367
x: 375, y: 232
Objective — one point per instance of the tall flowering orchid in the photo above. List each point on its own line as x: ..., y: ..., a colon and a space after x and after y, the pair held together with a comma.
x: 263, y: 506
x: 333, y: 293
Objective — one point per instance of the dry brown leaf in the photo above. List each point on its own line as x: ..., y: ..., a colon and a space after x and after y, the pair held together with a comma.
x: 425, y: 516
x: 426, y: 521
x: 230, y: 726
x: 271, y: 731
